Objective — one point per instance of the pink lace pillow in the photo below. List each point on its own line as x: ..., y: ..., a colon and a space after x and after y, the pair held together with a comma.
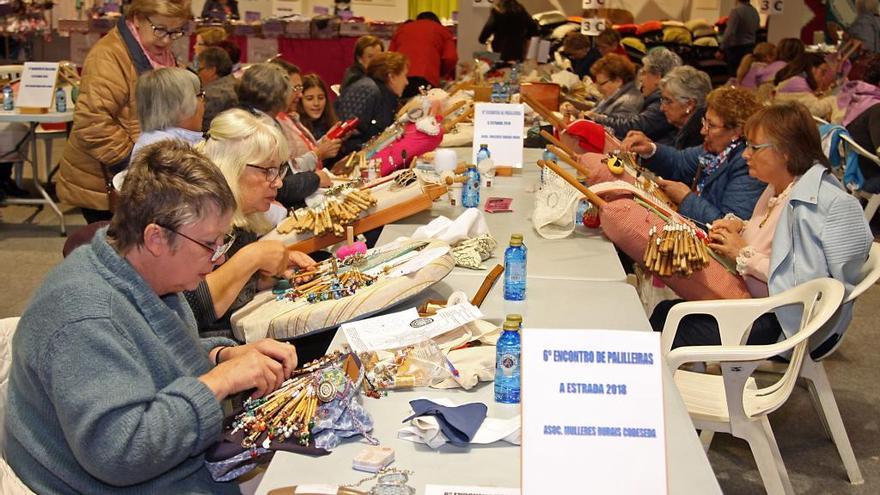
x: 627, y: 225
x: 414, y: 142
x: 599, y: 171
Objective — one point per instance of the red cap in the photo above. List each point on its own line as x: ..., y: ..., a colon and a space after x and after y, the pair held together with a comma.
x: 590, y: 135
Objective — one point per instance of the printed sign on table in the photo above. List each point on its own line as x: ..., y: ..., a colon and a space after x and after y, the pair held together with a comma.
x: 37, y: 88
x: 500, y: 126
x: 593, y: 4
x: 483, y: 3
x: 592, y: 410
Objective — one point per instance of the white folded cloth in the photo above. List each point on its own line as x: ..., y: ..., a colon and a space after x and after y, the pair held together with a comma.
x: 425, y: 429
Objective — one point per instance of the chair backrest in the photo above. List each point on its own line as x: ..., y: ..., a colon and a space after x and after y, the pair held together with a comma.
x: 868, y: 277
x: 11, y: 72
x: 7, y: 330
x: 820, y: 299
x: 856, y: 147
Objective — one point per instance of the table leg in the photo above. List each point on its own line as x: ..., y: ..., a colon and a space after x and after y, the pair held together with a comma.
x: 46, y: 200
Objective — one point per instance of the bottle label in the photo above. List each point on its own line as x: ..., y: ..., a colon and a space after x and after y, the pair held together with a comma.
x: 509, y: 364
x: 516, y: 272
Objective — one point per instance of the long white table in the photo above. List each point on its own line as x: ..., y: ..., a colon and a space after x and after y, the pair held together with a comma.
x: 34, y: 120
x: 572, y: 283
x: 573, y: 304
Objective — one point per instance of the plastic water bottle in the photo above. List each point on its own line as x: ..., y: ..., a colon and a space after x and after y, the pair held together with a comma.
x: 470, y: 190
x: 515, y: 269
x: 483, y: 153
x: 8, y: 102
x: 507, y: 354
x: 516, y: 318
x: 583, y: 206
x: 60, y: 101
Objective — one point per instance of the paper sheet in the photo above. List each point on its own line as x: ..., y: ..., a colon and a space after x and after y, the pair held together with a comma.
x: 405, y: 328
x: 469, y: 490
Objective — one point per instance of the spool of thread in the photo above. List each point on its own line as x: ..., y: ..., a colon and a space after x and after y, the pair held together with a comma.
x: 351, y: 249
x: 445, y: 159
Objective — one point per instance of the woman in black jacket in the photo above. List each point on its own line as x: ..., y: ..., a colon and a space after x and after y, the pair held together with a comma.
x: 373, y: 99
x: 512, y: 27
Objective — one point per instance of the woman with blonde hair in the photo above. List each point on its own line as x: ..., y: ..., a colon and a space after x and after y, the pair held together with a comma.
x: 251, y: 152
x: 105, y: 122
x: 747, y: 73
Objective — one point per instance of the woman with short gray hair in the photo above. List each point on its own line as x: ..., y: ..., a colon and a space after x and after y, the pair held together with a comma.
x: 170, y: 105
x: 683, y: 94
x: 650, y: 119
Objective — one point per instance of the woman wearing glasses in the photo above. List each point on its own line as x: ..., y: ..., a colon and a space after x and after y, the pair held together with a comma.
x: 113, y: 391
x: 615, y: 76
x: 804, y: 215
x: 265, y: 90
x: 105, y: 122
x: 712, y: 180
x: 251, y: 152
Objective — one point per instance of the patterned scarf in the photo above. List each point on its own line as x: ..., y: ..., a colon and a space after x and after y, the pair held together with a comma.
x: 709, y: 163
x: 167, y: 58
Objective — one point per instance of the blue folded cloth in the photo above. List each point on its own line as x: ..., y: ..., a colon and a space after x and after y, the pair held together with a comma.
x: 459, y: 424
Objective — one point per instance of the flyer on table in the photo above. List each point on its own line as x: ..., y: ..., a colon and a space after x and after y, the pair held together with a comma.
x: 500, y: 127
x: 592, y: 408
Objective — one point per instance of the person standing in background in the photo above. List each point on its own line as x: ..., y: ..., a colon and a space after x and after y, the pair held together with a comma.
x: 866, y: 25
x: 576, y: 47
x: 105, y: 124
x: 431, y: 50
x: 740, y: 34
x: 510, y: 27
x: 365, y: 49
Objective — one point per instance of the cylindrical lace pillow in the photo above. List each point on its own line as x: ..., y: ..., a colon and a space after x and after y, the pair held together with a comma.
x: 627, y: 224
x: 599, y: 171
x: 413, y: 143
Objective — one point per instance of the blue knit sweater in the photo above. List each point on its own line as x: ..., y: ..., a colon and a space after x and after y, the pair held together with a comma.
x: 103, y: 390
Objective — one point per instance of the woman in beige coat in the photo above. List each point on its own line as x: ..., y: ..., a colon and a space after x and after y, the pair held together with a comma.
x: 105, y: 123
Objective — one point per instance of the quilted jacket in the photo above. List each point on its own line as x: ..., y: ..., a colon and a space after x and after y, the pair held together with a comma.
x: 105, y: 123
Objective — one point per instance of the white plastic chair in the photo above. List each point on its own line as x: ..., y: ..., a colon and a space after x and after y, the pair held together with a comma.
x: 9, y: 482
x: 732, y: 402
x: 873, y: 199
x: 813, y: 373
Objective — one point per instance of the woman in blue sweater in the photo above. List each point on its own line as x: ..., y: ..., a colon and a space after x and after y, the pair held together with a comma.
x: 113, y: 391
x: 709, y: 181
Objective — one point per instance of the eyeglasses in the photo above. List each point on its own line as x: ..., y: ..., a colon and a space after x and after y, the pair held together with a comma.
x: 603, y: 83
x: 217, y: 251
x: 297, y: 89
x: 272, y: 173
x: 200, y: 94
x: 754, y: 148
x: 162, y: 31
x: 710, y: 125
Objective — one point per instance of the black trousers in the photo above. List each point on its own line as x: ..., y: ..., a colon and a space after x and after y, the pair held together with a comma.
x: 703, y: 329
x: 734, y: 55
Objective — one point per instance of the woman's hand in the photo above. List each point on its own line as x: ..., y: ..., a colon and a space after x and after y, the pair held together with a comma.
x: 298, y: 260
x: 328, y: 148
x: 270, y: 257
x: 569, y: 112
x: 243, y: 369
x: 637, y: 142
x: 726, y: 243
x: 281, y: 352
x: 324, y: 180
x: 728, y: 225
x: 676, y: 191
